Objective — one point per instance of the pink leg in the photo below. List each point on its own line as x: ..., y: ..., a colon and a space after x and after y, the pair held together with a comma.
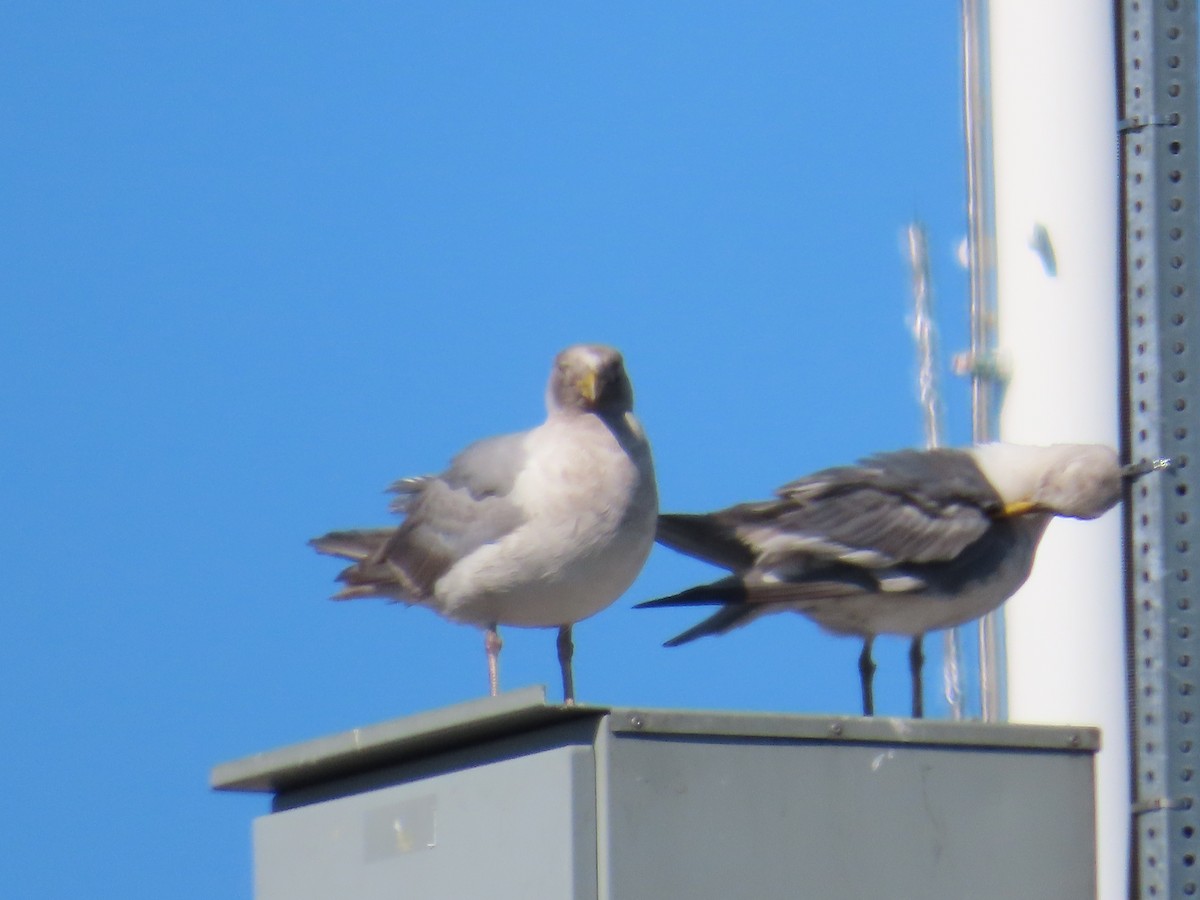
x: 492, y: 643
x: 566, y: 650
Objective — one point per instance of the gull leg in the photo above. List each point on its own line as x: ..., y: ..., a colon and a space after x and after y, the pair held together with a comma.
x: 916, y: 660
x: 566, y: 650
x: 492, y: 644
x: 866, y: 671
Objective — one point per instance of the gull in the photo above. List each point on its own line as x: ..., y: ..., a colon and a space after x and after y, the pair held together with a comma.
x: 538, y: 529
x: 902, y: 543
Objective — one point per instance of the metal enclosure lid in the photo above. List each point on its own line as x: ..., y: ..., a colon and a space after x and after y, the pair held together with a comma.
x: 398, y: 740
x: 438, y: 731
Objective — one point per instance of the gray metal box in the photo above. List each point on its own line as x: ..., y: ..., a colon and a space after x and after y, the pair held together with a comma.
x: 509, y: 797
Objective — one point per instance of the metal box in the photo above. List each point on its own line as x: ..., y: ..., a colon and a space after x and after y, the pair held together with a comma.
x: 510, y: 797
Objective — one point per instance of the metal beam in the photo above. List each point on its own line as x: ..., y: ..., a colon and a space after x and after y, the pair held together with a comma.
x: 1161, y: 275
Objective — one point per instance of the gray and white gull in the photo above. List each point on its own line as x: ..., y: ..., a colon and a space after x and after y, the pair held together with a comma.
x: 538, y: 529
x: 902, y: 543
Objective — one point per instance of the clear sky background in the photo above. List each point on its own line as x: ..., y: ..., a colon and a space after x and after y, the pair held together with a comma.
x: 260, y: 259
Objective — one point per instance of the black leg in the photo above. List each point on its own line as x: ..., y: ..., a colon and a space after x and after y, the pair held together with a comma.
x: 916, y: 661
x: 866, y: 671
x: 566, y: 651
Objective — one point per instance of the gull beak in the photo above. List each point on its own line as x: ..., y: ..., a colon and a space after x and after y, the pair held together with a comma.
x: 1019, y: 507
x: 1134, y: 471
x: 587, y: 386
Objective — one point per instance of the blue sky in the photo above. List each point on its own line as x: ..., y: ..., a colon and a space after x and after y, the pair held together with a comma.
x: 258, y: 260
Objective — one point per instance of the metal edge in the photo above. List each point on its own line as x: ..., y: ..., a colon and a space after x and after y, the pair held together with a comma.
x: 853, y: 729
x: 395, y: 741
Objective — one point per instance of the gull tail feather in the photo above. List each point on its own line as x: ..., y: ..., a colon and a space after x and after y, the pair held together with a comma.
x: 357, y: 544
x: 370, y: 576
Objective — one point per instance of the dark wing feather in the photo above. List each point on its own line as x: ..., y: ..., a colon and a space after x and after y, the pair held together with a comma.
x: 485, y: 468
x: 725, y: 619
x: 742, y: 602
x: 704, y: 537
x: 447, y: 517
x: 454, y: 514
x: 911, y: 506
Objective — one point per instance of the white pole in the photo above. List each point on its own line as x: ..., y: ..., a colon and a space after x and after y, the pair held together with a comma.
x: 1053, y: 84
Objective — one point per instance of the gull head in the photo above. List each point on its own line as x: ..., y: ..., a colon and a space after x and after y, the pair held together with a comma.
x: 1082, y: 481
x: 589, y: 378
